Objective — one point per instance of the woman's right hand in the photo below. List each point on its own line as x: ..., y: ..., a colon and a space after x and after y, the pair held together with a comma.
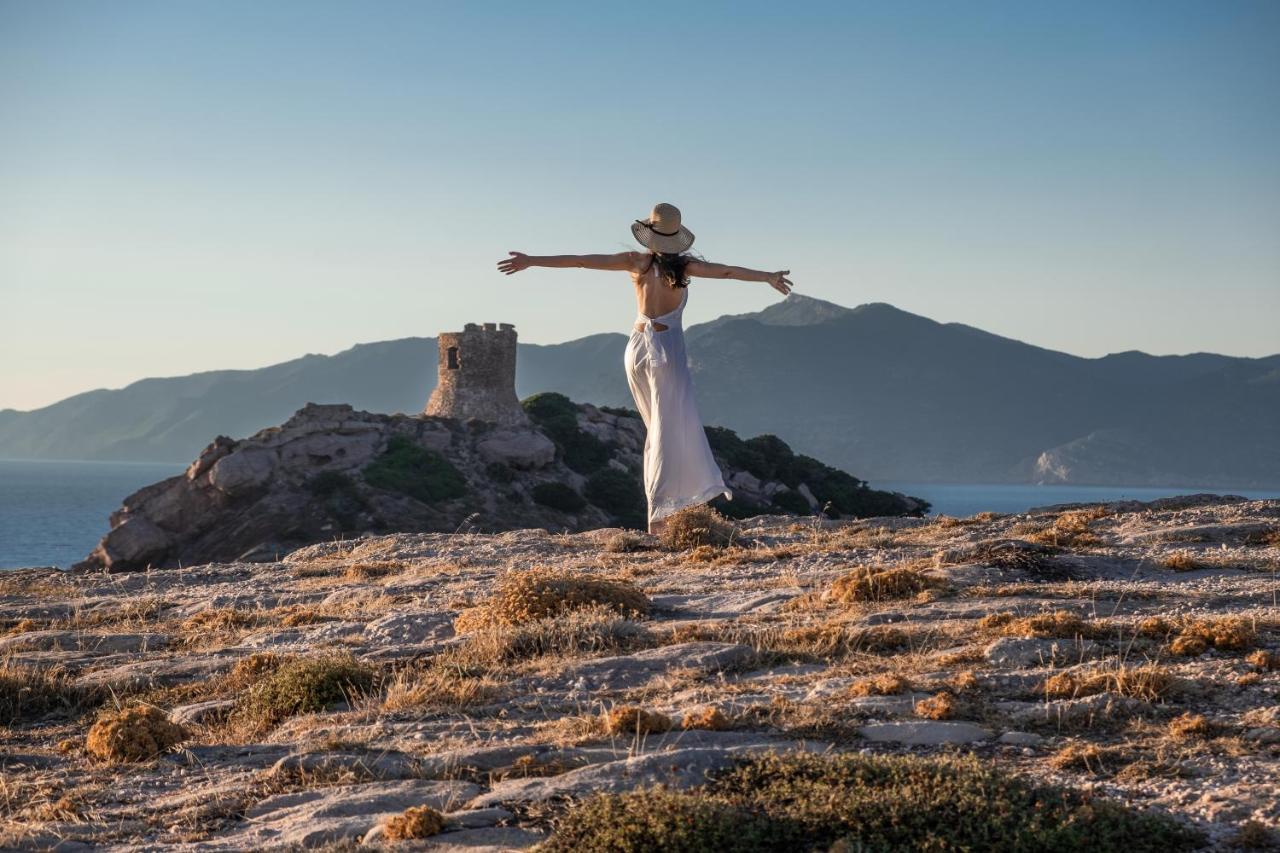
x: 518, y: 261
x: 779, y: 281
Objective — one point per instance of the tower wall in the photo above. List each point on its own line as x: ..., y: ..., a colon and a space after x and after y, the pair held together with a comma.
x: 477, y: 375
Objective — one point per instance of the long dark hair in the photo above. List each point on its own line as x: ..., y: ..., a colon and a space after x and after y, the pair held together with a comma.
x: 672, y: 267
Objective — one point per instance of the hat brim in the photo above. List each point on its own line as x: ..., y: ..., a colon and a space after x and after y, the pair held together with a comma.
x: 673, y: 244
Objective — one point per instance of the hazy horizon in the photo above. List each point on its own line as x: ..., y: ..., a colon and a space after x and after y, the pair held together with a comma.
x: 204, y: 186
x: 522, y: 341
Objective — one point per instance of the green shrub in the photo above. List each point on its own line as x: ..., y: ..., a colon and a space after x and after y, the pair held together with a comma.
x: 768, y: 457
x: 557, y: 416
x: 339, y: 495
x: 300, y: 686
x: 411, y: 469
x: 621, y: 411
x: 558, y: 496
x: 792, y: 502
x: 737, y: 508
x: 621, y: 495
x: 865, y: 803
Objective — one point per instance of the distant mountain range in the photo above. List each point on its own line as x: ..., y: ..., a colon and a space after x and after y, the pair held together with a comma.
x: 882, y: 393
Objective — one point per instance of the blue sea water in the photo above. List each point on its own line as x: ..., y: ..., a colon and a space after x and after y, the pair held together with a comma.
x: 54, y: 513
x: 965, y: 499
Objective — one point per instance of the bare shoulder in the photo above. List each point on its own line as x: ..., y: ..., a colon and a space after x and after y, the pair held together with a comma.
x: 637, y: 262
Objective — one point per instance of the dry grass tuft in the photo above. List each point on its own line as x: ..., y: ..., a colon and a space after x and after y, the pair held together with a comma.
x: 1149, y: 682
x: 439, y: 687
x: 217, y: 620
x: 367, y: 571
x: 540, y: 593
x: 1089, y: 757
x: 1264, y: 660
x: 139, y: 733
x: 1183, y: 561
x: 22, y: 626
x: 868, y: 583
x: 709, y: 718
x: 627, y: 542
x: 1156, y: 627
x: 940, y: 706
x: 1059, y: 623
x: 1070, y: 529
x: 695, y: 526
x: 413, y: 822
x: 884, y: 684
x: 963, y: 681
x: 634, y: 720
x: 1190, y: 726
x: 1188, y: 646
x: 1224, y: 633
x: 589, y: 631
x: 250, y: 669
x: 28, y: 693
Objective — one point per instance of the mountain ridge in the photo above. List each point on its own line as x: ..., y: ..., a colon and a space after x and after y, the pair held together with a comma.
x: 875, y: 389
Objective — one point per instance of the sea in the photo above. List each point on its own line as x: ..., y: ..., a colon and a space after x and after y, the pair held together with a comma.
x: 54, y: 513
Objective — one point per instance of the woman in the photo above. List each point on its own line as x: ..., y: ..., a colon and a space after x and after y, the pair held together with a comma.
x: 679, y: 470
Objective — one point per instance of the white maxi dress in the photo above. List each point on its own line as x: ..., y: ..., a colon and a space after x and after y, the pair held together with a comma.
x: 679, y: 469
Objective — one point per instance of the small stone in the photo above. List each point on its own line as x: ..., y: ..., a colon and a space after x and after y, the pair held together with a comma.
x: 1020, y: 739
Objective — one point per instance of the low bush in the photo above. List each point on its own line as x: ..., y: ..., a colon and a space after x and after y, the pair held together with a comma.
x: 411, y: 469
x: 541, y: 593
x: 557, y: 416
x: 868, y: 583
x: 558, y: 496
x: 139, y: 733
x: 413, y: 822
x: 708, y: 718
x: 696, y: 526
x: 792, y: 502
x: 864, y: 803
x: 884, y: 684
x: 591, y: 630
x: 340, y: 496
x: 620, y: 494
x: 632, y: 720
x: 300, y: 686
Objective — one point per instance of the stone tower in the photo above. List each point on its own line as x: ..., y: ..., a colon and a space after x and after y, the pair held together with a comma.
x: 477, y: 377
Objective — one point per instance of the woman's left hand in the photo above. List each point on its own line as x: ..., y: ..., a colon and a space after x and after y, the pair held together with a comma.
x: 518, y: 261
x: 779, y: 281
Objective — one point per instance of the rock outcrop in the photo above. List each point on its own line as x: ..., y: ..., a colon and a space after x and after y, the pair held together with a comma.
x: 331, y: 472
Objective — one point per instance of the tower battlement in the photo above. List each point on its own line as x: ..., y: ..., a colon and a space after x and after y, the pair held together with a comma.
x: 477, y: 375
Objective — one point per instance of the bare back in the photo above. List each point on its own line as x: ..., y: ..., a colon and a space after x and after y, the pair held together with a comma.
x: 654, y: 297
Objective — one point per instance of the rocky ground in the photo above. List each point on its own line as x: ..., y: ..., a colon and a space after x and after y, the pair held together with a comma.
x: 1129, y: 650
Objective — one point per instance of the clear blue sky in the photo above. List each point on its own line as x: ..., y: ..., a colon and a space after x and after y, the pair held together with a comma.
x: 194, y: 185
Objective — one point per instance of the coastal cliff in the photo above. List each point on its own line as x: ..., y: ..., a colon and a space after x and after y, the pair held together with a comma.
x: 332, y: 473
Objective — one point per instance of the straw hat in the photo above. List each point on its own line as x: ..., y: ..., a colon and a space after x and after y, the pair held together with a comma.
x: 662, y: 231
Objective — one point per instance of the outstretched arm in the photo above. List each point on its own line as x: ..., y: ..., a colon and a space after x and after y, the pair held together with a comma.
x: 622, y: 262
x: 705, y: 269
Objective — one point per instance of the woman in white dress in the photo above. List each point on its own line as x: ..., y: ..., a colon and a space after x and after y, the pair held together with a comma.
x: 679, y: 469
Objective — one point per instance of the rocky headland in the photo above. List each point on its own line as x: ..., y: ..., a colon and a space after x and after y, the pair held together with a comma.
x: 1102, y: 677
x: 332, y: 473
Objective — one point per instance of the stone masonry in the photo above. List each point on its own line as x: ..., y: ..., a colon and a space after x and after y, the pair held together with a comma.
x: 477, y: 377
